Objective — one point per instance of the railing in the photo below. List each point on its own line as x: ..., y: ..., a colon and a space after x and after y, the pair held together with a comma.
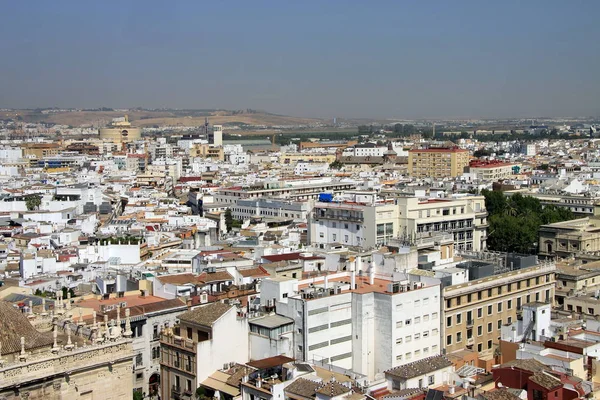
x: 470, y: 323
x: 177, y: 341
x: 175, y: 390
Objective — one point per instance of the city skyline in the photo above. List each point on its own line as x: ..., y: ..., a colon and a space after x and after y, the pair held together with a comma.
x: 395, y: 60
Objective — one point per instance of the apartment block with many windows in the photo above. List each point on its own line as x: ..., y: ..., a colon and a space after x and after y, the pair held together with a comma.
x: 437, y: 162
x: 465, y: 217
x: 474, y: 312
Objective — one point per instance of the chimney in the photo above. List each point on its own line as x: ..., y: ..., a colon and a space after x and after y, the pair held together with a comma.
x: 353, y: 280
x: 371, y: 276
x: 326, y: 282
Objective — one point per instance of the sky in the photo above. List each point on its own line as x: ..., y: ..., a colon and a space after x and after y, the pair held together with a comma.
x: 326, y: 58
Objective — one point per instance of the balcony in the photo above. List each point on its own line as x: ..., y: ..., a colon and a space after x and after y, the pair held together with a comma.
x: 178, y: 341
x: 176, y: 391
x: 470, y: 323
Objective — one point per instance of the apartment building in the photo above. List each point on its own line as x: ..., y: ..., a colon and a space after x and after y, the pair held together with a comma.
x: 364, y: 150
x: 437, y: 162
x: 475, y: 311
x: 206, y: 338
x: 255, y: 208
x: 207, y: 151
x: 465, y: 217
x: 284, y: 189
x: 367, y: 324
x: 354, y: 224
x: 490, y: 171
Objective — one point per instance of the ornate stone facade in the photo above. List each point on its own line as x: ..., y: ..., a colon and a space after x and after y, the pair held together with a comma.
x: 94, y: 362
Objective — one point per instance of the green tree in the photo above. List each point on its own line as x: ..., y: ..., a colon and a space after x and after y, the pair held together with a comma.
x: 33, y: 202
x: 336, y: 165
x: 515, y: 221
x: 228, y: 220
x: 137, y: 395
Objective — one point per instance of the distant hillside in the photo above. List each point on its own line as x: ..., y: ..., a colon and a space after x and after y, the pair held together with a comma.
x: 161, y: 118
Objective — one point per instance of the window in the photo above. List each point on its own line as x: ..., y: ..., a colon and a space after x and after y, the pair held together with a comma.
x: 425, y: 334
x: 489, y: 344
x: 499, y: 324
x: 408, y: 339
x: 398, y: 324
x: 407, y: 322
x: 479, y: 347
x: 448, y: 340
x: 490, y: 310
x: 399, y: 357
x: 334, y: 237
x: 509, y: 320
x: 458, y: 318
x: 449, y: 321
x: 399, y: 341
x: 489, y: 293
x: 479, y: 330
x: 479, y: 295
x: 434, y: 331
x: 417, y: 336
x: 500, y: 307
x: 434, y: 315
x: 479, y: 312
x: 458, y: 337
x: 417, y: 320
x: 431, y: 379
x: 509, y: 304
x: 490, y: 327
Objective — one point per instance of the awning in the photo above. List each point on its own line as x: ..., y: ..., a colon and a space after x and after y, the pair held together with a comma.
x: 214, y: 384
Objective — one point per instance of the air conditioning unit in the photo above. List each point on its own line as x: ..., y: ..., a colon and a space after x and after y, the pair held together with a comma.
x: 123, y: 304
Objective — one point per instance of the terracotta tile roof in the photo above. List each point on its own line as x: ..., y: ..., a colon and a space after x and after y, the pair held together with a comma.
x: 420, y: 367
x: 270, y: 362
x: 180, y: 279
x: 333, y: 389
x: 499, y: 394
x: 531, y: 365
x: 218, y: 276
x: 404, y: 393
x: 545, y: 380
x: 206, y: 315
x: 16, y: 325
x: 303, y: 387
x: 253, y: 272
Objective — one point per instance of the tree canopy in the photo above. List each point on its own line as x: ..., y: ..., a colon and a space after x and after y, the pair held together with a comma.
x: 515, y: 220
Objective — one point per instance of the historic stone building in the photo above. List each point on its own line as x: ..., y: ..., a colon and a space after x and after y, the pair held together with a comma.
x: 55, y: 356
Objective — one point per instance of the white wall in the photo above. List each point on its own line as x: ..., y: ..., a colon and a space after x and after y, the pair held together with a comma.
x: 229, y: 343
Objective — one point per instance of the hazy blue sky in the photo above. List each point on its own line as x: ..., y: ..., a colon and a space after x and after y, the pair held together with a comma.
x: 325, y: 58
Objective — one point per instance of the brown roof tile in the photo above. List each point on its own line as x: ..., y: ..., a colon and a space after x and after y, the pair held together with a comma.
x: 16, y: 325
x: 180, y: 279
x: 206, y: 315
x: 333, y: 389
x: 420, y: 367
x: 303, y: 387
x: 545, y: 380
